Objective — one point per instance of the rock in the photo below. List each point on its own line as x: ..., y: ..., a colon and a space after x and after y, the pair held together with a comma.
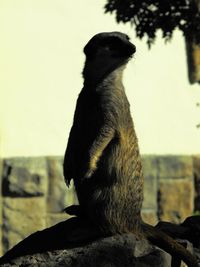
x: 175, y: 188
x: 149, y: 216
x: 21, y: 218
x: 196, y: 166
x: 175, y: 167
x: 149, y: 164
x: 24, y: 177
x: 111, y: 252
x: 59, y: 196
x: 175, y: 199
x: 149, y: 207
x: 55, y: 246
x: 77, y: 243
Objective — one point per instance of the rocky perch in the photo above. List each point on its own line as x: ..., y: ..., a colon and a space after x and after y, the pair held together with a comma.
x: 75, y: 242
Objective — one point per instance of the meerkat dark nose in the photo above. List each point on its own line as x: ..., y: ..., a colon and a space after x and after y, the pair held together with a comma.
x: 133, y: 48
x: 130, y: 46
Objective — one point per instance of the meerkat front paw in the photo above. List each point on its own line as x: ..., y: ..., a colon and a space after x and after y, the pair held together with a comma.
x: 92, y: 166
x: 89, y: 173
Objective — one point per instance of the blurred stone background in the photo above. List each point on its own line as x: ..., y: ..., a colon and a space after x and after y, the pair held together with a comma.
x: 33, y: 193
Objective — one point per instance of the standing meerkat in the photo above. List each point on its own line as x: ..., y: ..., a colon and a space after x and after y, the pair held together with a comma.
x: 102, y: 155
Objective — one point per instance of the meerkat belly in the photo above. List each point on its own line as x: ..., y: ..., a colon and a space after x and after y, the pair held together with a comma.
x: 113, y: 195
x: 116, y: 207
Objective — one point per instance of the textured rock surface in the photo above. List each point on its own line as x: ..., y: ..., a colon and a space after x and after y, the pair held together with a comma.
x: 150, y: 173
x: 175, y: 167
x: 58, y: 195
x: 58, y: 246
x: 149, y: 207
x: 21, y: 218
x: 176, y: 199
x: 175, y: 188
x: 23, y: 177
x: 150, y: 216
x: 115, y: 251
x: 41, y: 177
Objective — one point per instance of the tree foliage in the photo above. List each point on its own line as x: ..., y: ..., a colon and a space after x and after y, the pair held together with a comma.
x: 148, y: 16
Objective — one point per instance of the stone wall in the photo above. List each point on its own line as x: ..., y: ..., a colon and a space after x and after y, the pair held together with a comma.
x: 34, y: 193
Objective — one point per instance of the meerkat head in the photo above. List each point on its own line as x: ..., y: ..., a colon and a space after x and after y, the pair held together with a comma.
x: 106, y: 52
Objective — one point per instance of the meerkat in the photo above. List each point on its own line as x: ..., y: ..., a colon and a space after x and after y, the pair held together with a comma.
x: 102, y: 156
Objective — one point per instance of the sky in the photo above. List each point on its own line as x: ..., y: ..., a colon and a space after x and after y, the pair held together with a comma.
x: 41, y: 63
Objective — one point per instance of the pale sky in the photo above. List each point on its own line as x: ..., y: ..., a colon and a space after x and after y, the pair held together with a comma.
x: 41, y: 64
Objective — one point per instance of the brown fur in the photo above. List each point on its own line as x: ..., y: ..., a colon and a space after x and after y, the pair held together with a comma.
x: 102, y: 156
